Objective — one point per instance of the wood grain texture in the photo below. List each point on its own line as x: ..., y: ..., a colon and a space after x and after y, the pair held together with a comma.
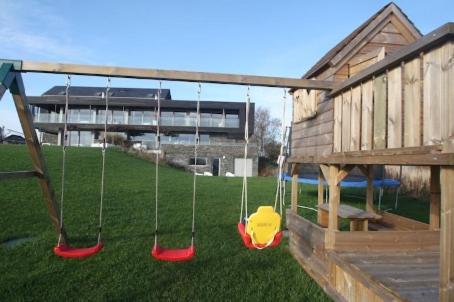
x: 446, y: 234
x: 355, y: 135
x: 367, y: 116
x: 337, y: 143
x: 395, y: 108
x: 380, y: 107
x: 412, y: 103
x: 346, y: 120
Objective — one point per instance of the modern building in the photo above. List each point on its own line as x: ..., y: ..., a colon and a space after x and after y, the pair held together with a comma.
x: 132, y: 120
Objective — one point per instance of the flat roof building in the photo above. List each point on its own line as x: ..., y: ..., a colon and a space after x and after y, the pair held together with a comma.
x: 132, y: 118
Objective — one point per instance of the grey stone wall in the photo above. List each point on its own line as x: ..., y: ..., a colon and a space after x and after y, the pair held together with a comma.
x: 223, y: 148
x: 49, y: 138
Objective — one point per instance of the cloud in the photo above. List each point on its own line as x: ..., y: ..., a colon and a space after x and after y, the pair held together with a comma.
x: 34, y: 30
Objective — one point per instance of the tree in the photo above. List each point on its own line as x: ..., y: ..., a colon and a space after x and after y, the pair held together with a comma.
x: 266, y: 133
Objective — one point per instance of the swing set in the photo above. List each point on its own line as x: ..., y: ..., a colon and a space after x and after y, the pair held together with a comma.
x: 260, y: 230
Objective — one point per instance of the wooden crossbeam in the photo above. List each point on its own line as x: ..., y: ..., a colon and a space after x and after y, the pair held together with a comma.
x: 18, y: 174
x: 171, y: 75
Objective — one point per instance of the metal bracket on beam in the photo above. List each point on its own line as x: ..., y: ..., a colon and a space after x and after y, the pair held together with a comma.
x: 6, y: 77
x: 17, y: 64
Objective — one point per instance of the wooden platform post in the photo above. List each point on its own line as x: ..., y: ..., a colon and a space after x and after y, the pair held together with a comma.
x: 294, y: 201
x: 320, y: 214
x: 447, y: 234
x: 434, y: 197
x: 39, y: 165
x: 370, y: 189
x: 334, y: 201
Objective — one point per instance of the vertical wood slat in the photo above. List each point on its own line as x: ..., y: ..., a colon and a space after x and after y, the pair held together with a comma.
x: 25, y: 117
x: 412, y: 103
x: 448, y: 80
x: 380, y: 112
x: 337, y: 144
x: 346, y: 120
x: 446, y: 234
x: 367, y: 115
x: 433, y: 102
x: 395, y: 108
x: 355, y: 135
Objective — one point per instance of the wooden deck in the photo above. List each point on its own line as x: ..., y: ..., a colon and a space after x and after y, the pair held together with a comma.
x: 407, y: 275
x: 369, y: 266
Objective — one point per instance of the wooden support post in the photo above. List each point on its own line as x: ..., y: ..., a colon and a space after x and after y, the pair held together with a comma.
x: 447, y: 234
x: 334, y: 201
x: 25, y: 117
x: 294, y: 201
x: 321, y: 194
x: 434, y: 197
x: 370, y: 189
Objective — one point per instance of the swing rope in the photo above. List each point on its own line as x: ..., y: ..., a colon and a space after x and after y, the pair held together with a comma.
x: 158, y: 149
x: 63, y: 170
x: 103, y: 152
x: 244, y: 194
x: 196, y: 145
x: 281, y: 159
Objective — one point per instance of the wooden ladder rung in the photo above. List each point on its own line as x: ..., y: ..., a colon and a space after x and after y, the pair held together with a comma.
x: 19, y: 174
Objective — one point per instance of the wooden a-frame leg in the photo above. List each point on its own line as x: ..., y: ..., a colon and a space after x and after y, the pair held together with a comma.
x: 25, y: 117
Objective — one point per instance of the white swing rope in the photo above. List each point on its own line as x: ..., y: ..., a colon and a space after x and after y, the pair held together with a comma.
x: 63, y: 169
x: 281, y: 159
x: 196, y: 146
x: 103, y: 152
x: 158, y: 149
x: 246, y: 143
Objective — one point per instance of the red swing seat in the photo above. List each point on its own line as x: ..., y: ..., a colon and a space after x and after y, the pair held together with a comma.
x: 173, y: 255
x: 247, y: 241
x: 67, y: 251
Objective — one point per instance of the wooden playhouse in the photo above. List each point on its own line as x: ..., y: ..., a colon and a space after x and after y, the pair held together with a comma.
x: 393, y: 104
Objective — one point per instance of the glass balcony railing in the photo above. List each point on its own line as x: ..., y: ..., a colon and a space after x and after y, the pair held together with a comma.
x: 178, y: 119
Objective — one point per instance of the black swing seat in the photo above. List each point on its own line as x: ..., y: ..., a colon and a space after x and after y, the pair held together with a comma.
x: 66, y: 251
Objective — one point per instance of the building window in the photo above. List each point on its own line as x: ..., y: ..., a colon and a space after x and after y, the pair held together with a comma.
x: 201, y: 161
x: 135, y: 117
x: 204, y: 139
x: 118, y: 117
x: 84, y: 116
x: 232, y: 121
x: 167, y: 118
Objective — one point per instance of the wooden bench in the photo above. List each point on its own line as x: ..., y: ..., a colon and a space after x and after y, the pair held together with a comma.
x: 359, y: 219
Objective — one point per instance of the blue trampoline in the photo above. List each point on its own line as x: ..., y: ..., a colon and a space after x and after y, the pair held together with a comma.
x: 353, y: 182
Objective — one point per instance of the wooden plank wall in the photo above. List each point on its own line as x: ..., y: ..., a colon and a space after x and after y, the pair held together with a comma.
x: 406, y: 106
x: 313, y: 134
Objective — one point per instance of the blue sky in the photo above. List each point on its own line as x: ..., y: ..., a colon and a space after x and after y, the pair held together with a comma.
x: 276, y: 38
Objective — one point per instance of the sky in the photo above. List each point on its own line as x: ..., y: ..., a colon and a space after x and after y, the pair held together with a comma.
x: 272, y: 38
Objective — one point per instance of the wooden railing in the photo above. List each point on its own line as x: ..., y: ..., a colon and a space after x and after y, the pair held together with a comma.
x: 405, y: 100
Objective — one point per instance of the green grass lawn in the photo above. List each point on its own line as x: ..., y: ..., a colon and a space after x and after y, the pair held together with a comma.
x: 222, y: 270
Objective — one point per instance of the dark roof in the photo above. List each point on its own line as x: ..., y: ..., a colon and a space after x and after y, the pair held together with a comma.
x: 322, y: 63
x: 13, y: 138
x: 114, y: 91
